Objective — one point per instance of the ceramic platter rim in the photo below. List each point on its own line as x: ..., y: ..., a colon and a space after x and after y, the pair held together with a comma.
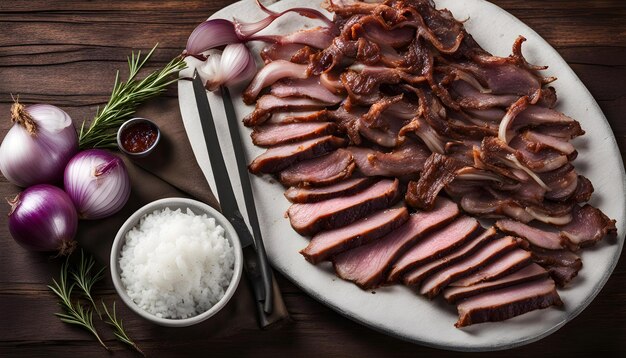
x: 417, y: 319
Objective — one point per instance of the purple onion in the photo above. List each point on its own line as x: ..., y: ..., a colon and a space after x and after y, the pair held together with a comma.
x: 210, y: 34
x: 97, y: 182
x: 38, y: 146
x: 43, y: 218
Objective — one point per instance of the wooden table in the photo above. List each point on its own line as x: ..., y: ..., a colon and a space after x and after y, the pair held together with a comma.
x: 66, y: 52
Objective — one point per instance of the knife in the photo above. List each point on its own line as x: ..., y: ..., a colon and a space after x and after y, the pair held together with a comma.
x: 242, y: 167
x: 253, y: 265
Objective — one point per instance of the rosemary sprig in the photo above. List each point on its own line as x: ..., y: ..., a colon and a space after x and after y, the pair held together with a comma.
x: 125, y: 98
x: 75, y: 313
x: 85, y: 279
x: 120, y: 333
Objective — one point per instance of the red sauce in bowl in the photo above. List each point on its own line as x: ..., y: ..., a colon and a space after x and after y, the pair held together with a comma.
x: 139, y: 137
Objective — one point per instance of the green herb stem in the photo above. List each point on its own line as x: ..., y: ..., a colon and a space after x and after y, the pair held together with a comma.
x: 118, y: 326
x: 125, y: 98
x: 75, y: 313
x: 85, y: 280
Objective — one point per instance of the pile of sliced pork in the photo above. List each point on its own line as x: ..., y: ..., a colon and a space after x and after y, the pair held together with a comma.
x: 394, y: 130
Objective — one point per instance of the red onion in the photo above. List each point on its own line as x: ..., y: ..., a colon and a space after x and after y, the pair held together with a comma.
x: 97, y: 182
x: 43, y: 218
x: 210, y: 34
x: 246, y: 30
x: 219, y: 32
x: 234, y: 65
x: 38, y: 146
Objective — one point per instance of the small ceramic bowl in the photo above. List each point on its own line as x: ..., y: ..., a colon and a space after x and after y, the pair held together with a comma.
x: 128, y: 124
x: 198, y: 208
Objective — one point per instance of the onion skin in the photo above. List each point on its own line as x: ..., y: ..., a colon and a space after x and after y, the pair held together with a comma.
x: 43, y: 218
x: 97, y: 182
x: 211, y: 34
x: 38, y: 146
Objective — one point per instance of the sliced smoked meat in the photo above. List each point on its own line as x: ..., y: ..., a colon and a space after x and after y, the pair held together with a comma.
x: 563, y: 265
x: 435, y: 245
x: 416, y: 275
x: 588, y: 226
x: 508, y: 302
x: 501, y: 267
x: 537, y: 237
x: 407, y: 159
x: 329, y: 243
x: 278, y: 158
x: 528, y: 273
x: 367, y: 265
x: 298, y: 117
x: 555, y: 257
x: 439, y: 170
x: 343, y: 188
x: 562, y: 275
x: 324, y: 170
x: 275, y: 134
x: 268, y: 104
x: 307, y: 87
x: 311, y: 218
x: 432, y: 285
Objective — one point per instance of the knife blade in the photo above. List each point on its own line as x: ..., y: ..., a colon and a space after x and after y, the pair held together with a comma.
x: 227, y: 200
x: 242, y: 167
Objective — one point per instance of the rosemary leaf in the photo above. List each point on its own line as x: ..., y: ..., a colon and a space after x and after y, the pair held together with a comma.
x: 120, y: 333
x: 75, y: 313
x: 85, y: 279
x: 125, y: 98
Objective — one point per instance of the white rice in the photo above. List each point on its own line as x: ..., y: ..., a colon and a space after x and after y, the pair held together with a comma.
x: 176, y: 264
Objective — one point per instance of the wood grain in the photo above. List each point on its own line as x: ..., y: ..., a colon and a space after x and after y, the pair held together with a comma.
x: 66, y: 53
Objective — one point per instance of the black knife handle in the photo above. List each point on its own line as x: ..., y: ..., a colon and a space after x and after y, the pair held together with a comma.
x: 251, y: 259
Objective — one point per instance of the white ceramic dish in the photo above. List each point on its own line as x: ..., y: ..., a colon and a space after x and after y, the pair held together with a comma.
x: 397, y: 310
x: 198, y: 208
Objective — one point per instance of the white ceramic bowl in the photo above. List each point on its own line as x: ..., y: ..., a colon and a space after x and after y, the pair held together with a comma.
x: 198, y: 208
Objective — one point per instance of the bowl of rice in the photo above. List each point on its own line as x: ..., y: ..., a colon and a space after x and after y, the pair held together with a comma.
x: 176, y: 262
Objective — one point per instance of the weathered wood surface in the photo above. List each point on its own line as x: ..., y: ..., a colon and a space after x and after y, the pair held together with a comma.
x: 66, y: 53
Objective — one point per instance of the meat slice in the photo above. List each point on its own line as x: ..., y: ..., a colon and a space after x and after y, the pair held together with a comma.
x: 367, y: 265
x: 481, y: 203
x: 324, y: 170
x: 563, y: 265
x: 555, y: 257
x: 271, y: 73
x: 528, y: 273
x: 432, y: 285
x: 542, y: 116
x: 407, y: 159
x: 562, y: 183
x: 298, y: 117
x: 503, y: 266
x: 278, y: 158
x: 535, y: 236
x: 415, y: 276
x: 588, y: 226
x: 329, y: 243
x: 537, y: 141
x: 583, y: 190
x: 508, y: 302
x: 311, y: 218
x: 562, y: 275
x: 435, y: 245
x: 343, y: 188
x: 309, y: 87
x: 268, y: 104
x: 438, y: 171
x: 273, y: 134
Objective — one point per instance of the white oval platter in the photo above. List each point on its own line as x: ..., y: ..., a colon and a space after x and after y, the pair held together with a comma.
x: 397, y: 310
